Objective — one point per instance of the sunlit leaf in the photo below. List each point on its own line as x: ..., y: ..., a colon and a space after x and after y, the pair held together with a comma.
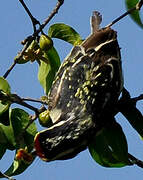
x: 3, y: 108
x: 110, y: 147
x: 5, y: 87
x: 47, y: 70
x: 135, y: 15
x: 64, y: 32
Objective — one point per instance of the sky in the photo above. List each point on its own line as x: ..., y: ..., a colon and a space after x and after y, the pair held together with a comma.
x: 15, y: 26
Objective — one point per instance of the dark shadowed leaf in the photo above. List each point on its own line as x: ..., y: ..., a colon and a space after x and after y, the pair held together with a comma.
x: 110, y: 147
x: 64, y: 32
x: 9, y: 134
x: 3, y: 142
x: 134, y: 116
x: 136, y: 14
x: 4, y: 118
x: 47, y: 70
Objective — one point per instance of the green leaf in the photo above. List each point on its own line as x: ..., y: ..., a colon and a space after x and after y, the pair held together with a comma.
x: 47, y: 70
x: 64, y: 32
x: 22, y: 139
x: 7, y: 140
x: 4, y: 118
x: 19, y: 120
x: 8, y: 131
x: 110, y: 147
x: 3, y: 143
x: 5, y: 87
x: 3, y: 108
x: 9, y: 134
x: 135, y: 15
x: 17, y: 167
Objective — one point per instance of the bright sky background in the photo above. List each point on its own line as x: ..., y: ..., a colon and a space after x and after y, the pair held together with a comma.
x: 15, y: 26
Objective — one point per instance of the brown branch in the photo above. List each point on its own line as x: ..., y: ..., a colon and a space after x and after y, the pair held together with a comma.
x: 14, y: 98
x: 137, y: 7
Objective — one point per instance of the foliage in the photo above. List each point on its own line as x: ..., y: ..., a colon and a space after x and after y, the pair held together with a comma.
x: 16, y: 130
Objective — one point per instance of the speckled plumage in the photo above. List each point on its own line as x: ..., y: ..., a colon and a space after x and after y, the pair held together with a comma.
x: 85, y: 90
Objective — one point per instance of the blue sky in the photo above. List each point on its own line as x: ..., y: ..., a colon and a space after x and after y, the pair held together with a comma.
x: 15, y: 26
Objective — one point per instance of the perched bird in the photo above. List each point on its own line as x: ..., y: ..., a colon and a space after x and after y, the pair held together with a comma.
x: 83, y: 95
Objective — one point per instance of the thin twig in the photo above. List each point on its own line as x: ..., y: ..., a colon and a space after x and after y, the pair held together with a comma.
x: 34, y: 100
x: 33, y: 19
x: 55, y: 11
x: 10, y: 69
x: 14, y: 98
x: 34, y: 117
x: 135, y: 99
x: 137, y: 7
x: 122, y: 16
x: 136, y: 161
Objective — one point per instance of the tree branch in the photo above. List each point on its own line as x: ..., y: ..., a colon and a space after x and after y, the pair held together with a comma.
x: 27, y: 41
x: 13, y: 98
x: 33, y: 19
x: 55, y: 11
